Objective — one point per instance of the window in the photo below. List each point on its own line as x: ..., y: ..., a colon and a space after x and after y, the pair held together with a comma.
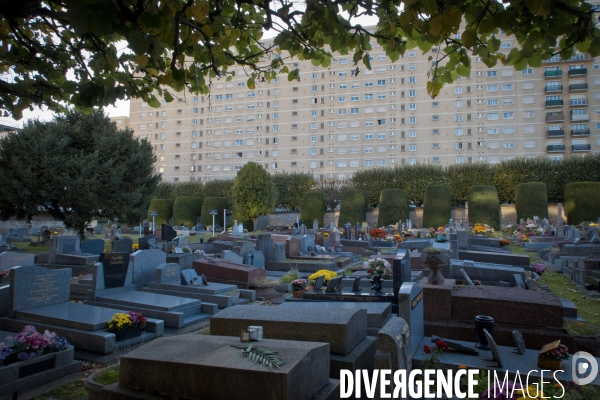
x: 492, y: 88
x: 459, y: 160
x: 412, y: 147
x: 368, y: 136
x: 411, y: 67
x: 508, y: 115
x: 493, y: 131
x: 458, y: 118
x: 412, y: 134
x: 369, y: 96
x: 459, y: 146
x: 412, y: 93
x: 458, y: 132
x: 492, y: 102
x: 381, y: 136
x: 508, y: 130
x: 509, y: 145
x: 412, y: 120
x: 507, y: 87
x: 527, y: 71
x: 505, y: 45
x: 342, y: 111
x: 381, y: 82
x: 458, y: 90
x: 368, y: 84
x: 492, y: 116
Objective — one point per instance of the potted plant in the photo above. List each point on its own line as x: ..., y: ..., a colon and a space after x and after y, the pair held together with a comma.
x: 30, y: 343
x: 127, y: 325
x: 435, y: 258
x: 298, y: 287
x: 377, y: 269
x: 552, y: 355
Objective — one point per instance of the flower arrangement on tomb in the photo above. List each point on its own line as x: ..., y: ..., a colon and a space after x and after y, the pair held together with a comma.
x: 125, y: 321
x: 326, y: 234
x: 299, y: 284
x: 30, y: 343
x: 4, y: 272
x: 325, y: 272
x: 504, y: 242
x: 398, y: 238
x: 561, y: 352
x: 483, y: 229
x: 378, y: 267
x: 539, y: 267
x: 377, y: 233
x: 135, y: 246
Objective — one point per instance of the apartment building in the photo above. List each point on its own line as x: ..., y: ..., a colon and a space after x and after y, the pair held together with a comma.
x: 335, y: 121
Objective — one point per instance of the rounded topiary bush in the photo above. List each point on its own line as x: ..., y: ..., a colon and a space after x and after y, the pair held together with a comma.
x: 393, y: 207
x: 484, y: 207
x: 313, y: 207
x: 531, y: 199
x: 164, y: 208
x: 353, y: 207
x: 213, y: 203
x: 581, y: 202
x: 248, y: 224
x: 437, y: 206
x: 186, y: 209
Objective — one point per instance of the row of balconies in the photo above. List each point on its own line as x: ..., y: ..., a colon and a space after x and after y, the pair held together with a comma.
x: 574, y: 132
x: 574, y: 87
x: 559, y: 148
x: 558, y: 73
x: 572, y: 103
x: 560, y: 117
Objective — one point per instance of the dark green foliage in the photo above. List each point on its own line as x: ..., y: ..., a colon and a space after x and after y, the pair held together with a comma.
x: 373, y: 182
x: 437, y: 206
x: 291, y: 188
x: 253, y: 192
x: 484, y: 207
x: 531, y: 199
x: 460, y: 177
x: 313, y: 207
x: 393, y: 207
x: 353, y: 208
x: 248, y: 224
x: 166, y: 190
x: 581, y: 202
x: 164, y: 208
x: 213, y: 203
x: 77, y: 167
x: 189, y: 189
x: 186, y: 209
x: 332, y: 191
x: 218, y: 188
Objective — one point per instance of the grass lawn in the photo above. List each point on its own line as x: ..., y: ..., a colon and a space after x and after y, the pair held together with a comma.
x: 68, y: 391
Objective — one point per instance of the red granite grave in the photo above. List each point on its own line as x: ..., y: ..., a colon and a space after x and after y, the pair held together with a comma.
x: 437, y: 300
x: 223, y: 271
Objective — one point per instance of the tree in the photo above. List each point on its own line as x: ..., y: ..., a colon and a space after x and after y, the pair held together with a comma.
x: 77, y: 167
x: 291, y: 188
x: 93, y: 52
x: 253, y: 193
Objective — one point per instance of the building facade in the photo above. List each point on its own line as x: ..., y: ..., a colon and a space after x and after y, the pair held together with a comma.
x: 335, y: 121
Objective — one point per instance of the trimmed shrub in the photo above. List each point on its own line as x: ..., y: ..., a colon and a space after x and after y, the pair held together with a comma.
x: 460, y: 177
x: 484, y: 206
x: 248, y: 224
x: 437, y: 206
x: 213, y: 203
x: 164, y: 208
x: 581, y: 202
x: 353, y: 208
x: 393, y: 207
x: 291, y: 188
x: 186, y: 209
x: 531, y: 199
x: 166, y: 190
x: 313, y: 207
x: 218, y: 188
x: 189, y: 189
x: 332, y: 191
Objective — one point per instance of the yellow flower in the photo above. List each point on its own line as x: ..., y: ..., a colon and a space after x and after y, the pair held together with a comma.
x: 325, y: 272
x: 326, y: 234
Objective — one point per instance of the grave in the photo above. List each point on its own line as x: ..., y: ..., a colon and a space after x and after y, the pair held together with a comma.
x: 264, y: 244
x: 40, y: 297
x: 171, y: 280
x: 222, y: 271
x: 10, y: 259
x: 168, y: 233
x: 488, y: 274
x: 122, y: 245
x: 65, y: 250
x: 394, y: 347
x: 255, y: 259
x: 231, y: 256
x: 176, y: 312
x: 345, y: 330
x: 184, y: 260
x: 517, y: 260
x: 94, y: 246
x: 219, y: 372
x: 242, y: 248
x: 144, y: 243
x: 410, y: 309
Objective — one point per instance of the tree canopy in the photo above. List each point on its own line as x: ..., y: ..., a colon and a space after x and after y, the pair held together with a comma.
x: 77, y: 167
x: 253, y: 193
x: 93, y: 52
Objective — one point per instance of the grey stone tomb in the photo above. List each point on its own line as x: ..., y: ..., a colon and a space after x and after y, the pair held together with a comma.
x: 144, y: 264
x: 410, y: 308
x: 122, y: 245
x: 10, y: 259
x: 94, y: 246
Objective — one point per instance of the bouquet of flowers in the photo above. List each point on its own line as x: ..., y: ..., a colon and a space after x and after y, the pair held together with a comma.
x: 378, y: 267
x: 560, y: 353
x: 299, y: 284
x: 377, y: 233
x: 325, y: 272
x: 125, y: 321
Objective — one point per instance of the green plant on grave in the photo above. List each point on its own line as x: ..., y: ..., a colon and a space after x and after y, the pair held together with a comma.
x: 484, y: 206
x: 437, y: 206
x: 531, y: 199
x: 581, y: 202
x: 292, y: 275
x: 261, y: 355
x: 353, y: 208
x: 393, y: 207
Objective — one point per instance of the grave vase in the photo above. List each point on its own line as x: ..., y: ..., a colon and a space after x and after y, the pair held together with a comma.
x: 435, y: 261
x: 549, y: 363
x: 376, y: 283
x: 128, y: 334
x: 483, y: 322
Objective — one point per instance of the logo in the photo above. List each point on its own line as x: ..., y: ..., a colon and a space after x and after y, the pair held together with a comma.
x: 585, y: 368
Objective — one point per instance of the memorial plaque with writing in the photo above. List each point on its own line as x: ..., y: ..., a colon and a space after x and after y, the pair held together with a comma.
x: 68, y: 245
x: 168, y: 273
x: 495, y: 352
x: 34, y: 286
x: 519, y: 342
x: 356, y: 285
x: 333, y: 284
x: 410, y: 307
x: 115, y: 267
x: 319, y: 283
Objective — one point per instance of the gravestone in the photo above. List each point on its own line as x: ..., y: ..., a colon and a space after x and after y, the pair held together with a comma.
x: 315, y: 225
x: 168, y: 273
x: 308, y: 243
x: 114, y: 266
x: 292, y: 246
x: 255, y: 259
x: 280, y: 251
x: 303, y: 229
x: 144, y: 242
x: 94, y: 246
x: 320, y: 238
x: 494, y: 349
x: 231, y: 256
x: 264, y: 243
x: 559, y: 221
x: 189, y: 277
x: 235, y: 227
x: 10, y: 259
x: 334, y: 239
x: 168, y: 233
x: 144, y: 264
x: 34, y: 286
x: 519, y: 342
x: 410, y: 308
x: 62, y: 245
x: 394, y: 347
x: 519, y: 280
x: 462, y: 238
x: 46, y: 236
x: 400, y: 273
x: 122, y: 246
x: 242, y: 248
x: 262, y: 222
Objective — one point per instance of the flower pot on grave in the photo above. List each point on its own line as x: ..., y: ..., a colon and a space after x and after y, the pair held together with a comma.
x: 128, y: 334
x: 549, y: 363
x: 298, y: 293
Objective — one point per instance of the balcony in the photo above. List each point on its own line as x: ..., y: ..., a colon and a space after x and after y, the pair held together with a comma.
x: 554, y: 88
x: 578, y: 86
x: 554, y: 103
x: 581, y: 147
x: 555, y: 117
x: 580, y: 132
x: 578, y: 72
x: 555, y: 148
x: 578, y: 102
x: 553, y: 73
x: 580, y: 117
x: 556, y: 133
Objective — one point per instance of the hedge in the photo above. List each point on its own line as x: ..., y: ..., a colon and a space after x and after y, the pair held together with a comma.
x: 581, y: 202
x: 185, y: 210
x: 313, y: 207
x: 484, y: 207
x: 213, y: 203
x: 218, y: 188
x: 437, y: 206
x: 353, y: 208
x: 393, y: 207
x: 164, y: 208
x: 531, y: 199
x: 291, y: 188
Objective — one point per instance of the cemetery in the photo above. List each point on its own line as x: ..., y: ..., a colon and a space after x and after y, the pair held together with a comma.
x: 310, y: 302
